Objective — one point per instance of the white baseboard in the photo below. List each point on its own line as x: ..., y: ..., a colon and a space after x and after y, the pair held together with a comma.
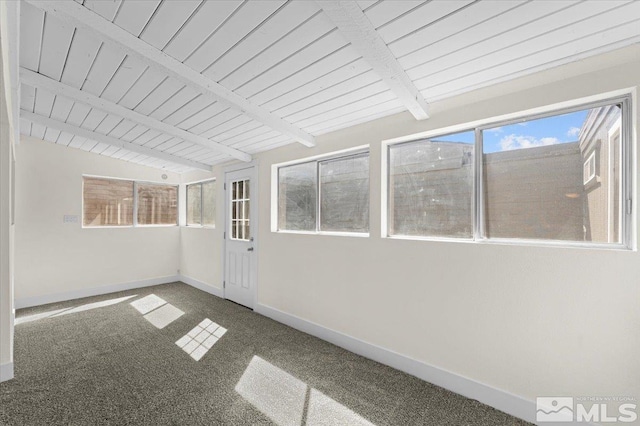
x: 497, y: 398
x: 6, y: 371
x: 27, y: 302
x: 202, y: 286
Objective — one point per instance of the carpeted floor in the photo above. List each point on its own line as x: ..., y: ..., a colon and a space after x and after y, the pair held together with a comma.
x: 105, y: 362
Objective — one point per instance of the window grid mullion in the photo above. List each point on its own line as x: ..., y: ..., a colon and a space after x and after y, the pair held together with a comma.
x: 478, y: 193
x: 318, y: 197
x: 135, y: 204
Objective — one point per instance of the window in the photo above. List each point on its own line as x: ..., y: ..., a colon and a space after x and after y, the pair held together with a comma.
x: 431, y: 187
x: 539, y: 179
x: 326, y: 195
x: 589, y: 168
x: 111, y: 202
x: 201, y: 204
x: 107, y: 202
x: 157, y: 204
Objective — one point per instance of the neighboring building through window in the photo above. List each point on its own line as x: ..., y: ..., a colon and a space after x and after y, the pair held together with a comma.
x: 201, y: 204
x: 325, y: 195
x: 112, y: 202
x: 107, y: 202
x: 556, y: 177
x: 157, y: 204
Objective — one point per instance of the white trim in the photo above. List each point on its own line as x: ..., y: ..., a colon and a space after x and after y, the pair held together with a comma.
x: 82, y: 17
x: 325, y: 156
x: 328, y: 233
x: 6, y: 371
x: 27, y: 302
x: 43, y: 82
x: 108, y: 140
x: 590, y: 165
x: 202, y: 286
x: 354, y: 25
x: 366, y: 149
x: 500, y: 399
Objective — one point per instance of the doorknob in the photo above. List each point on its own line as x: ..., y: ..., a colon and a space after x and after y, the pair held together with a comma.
x: 250, y: 249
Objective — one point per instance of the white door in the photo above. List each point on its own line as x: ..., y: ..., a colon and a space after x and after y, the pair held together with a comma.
x: 240, y: 233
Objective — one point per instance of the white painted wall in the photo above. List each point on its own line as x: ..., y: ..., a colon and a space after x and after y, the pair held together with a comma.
x: 9, y: 96
x: 531, y: 321
x: 201, y: 248
x: 53, y: 257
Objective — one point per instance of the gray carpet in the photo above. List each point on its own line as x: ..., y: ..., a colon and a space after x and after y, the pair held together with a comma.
x: 110, y: 366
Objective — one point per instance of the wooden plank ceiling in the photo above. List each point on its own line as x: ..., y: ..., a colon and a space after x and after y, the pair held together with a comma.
x: 289, y: 60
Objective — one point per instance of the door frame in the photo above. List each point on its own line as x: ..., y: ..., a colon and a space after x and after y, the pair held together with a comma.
x: 255, y: 199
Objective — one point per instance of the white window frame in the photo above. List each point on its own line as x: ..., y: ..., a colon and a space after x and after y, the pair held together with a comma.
x: 135, y: 203
x: 186, y: 204
x: 361, y: 149
x: 624, y: 97
x: 590, y: 165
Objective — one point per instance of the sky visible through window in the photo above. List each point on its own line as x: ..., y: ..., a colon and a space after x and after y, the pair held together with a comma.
x: 528, y: 134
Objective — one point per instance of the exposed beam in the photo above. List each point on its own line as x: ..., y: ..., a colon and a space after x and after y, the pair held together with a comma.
x: 98, y: 137
x: 358, y: 30
x: 81, y: 17
x: 43, y: 82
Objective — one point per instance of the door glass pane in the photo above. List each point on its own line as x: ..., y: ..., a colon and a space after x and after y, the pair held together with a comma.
x: 240, y: 210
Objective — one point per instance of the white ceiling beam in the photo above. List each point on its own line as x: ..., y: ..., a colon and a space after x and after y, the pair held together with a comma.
x: 45, y: 83
x: 358, y: 30
x: 81, y: 17
x: 99, y: 137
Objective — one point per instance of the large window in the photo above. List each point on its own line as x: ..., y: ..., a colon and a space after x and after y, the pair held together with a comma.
x: 201, y: 204
x: 326, y: 195
x: 112, y: 202
x: 557, y: 177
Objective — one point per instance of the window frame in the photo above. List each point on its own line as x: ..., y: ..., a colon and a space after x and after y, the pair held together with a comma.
x: 186, y: 206
x: 336, y: 155
x: 135, y: 223
x: 627, y: 241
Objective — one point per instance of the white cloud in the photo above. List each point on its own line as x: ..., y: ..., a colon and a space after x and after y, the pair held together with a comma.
x: 511, y: 142
x: 573, y: 132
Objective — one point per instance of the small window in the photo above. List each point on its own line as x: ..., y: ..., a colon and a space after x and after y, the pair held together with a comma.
x: 201, y: 204
x: 589, y: 168
x: 240, y: 210
x: 327, y: 195
x: 157, y: 204
x: 107, y: 202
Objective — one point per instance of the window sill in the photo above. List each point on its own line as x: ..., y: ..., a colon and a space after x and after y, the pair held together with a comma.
x: 327, y: 233
x: 518, y: 242
x: 198, y: 227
